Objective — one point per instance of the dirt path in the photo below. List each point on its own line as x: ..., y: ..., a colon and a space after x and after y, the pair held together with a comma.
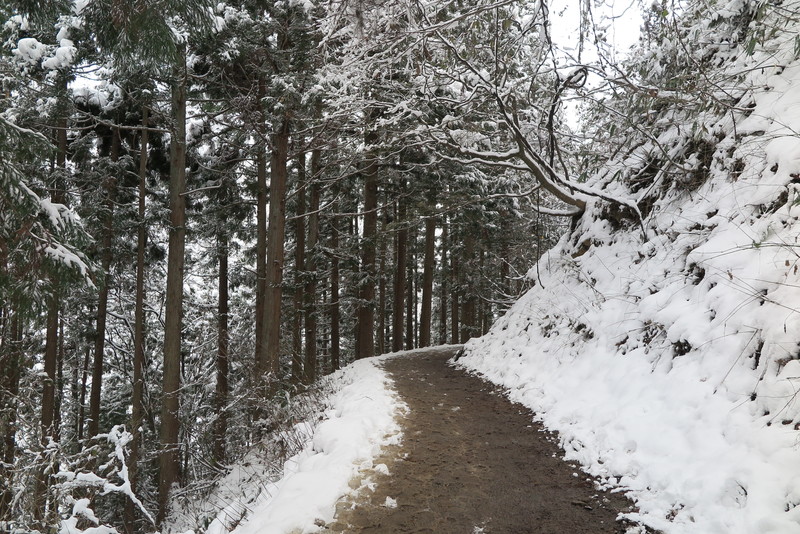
x: 473, y: 462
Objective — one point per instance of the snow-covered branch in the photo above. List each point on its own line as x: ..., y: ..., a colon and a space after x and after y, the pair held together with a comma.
x: 479, y: 86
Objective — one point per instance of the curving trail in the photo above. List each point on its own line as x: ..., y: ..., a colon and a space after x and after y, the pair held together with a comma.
x: 472, y: 462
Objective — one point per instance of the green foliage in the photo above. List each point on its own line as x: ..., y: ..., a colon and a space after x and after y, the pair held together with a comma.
x: 38, y: 11
x: 42, y: 240
x: 146, y: 35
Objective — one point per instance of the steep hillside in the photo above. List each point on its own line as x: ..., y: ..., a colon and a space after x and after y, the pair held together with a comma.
x: 668, y: 355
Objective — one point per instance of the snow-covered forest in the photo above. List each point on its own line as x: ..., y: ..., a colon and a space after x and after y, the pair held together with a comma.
x: 210, y: 208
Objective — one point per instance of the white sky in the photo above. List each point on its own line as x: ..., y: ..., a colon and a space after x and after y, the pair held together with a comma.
x: 621, y: 20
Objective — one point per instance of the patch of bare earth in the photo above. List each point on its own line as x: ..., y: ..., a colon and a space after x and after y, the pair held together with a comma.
x: 472, y: 462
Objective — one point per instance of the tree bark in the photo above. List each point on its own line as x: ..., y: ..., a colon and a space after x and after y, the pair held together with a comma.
x: 261, y: 234
x: 429, y: 263
x: 10, y: 357
x: 454, y: 298
x: 275, y: 256
x: 334, y: 305
x: 102, y: 299
x: 82, y: 403
x: 170, y: 454
x: 298, y: 373
x: 365, y: 315
x: 59, y: 393
x: 400, y: 261
x: 311, y: 268
x: 137, y: 398
x: 47, y: 420
x: 54, y: 303
x: 470, y: 297
x: 411, y: 307
x: 484, y: 318
x: 383, y: 333
x: 220, y: 428
x: 48, y: 430
x: 505, y: 262
x: 50, y: 356
x: 74, y: 391
x: 443, y: 286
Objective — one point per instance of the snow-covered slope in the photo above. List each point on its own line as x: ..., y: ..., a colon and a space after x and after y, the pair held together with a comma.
x: 670, y: 363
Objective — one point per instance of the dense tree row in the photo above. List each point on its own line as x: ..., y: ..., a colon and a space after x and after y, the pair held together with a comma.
x: 206, y: 207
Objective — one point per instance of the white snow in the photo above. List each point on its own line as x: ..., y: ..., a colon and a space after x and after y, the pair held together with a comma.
x: 383, y: 469
x: 63, y: 56
x: 80, y: 5
x: 30, y: 50
x: 81, y: 507
x: 359, y: 423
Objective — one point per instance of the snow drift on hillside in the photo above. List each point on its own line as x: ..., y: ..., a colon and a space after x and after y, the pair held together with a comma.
x: 670, y: 364
x: 360, y: 421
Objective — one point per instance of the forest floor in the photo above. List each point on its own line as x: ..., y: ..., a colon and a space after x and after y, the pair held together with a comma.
x: 471, y: 461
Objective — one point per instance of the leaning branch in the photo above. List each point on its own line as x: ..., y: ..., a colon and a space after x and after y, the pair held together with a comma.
x: 548, y: 180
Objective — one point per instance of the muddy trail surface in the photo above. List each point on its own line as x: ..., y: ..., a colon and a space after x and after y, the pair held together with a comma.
x: 472, y: 462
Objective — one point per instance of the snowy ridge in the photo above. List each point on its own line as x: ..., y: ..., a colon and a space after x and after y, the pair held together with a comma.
x: 359, y: 423
x: 670, y: 364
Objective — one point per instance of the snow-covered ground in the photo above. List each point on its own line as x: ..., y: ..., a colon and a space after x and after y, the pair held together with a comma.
x: 361, y: 420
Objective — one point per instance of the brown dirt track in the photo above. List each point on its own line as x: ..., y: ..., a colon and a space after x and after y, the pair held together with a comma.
x: 472, y: 462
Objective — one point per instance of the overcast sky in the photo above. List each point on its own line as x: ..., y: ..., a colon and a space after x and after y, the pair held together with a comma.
x: 621, y: 20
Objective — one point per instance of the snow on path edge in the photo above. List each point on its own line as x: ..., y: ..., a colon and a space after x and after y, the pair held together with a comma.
x: 361, y: 421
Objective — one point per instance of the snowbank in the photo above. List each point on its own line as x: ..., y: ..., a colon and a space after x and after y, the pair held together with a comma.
x: 359, y: 423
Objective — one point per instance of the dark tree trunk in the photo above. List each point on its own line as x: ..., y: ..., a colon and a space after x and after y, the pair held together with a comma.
x: 48, y: 430
x: 324, y: 344
x: 75, y: 391
x: 334, y: 305
x: 275, y: 256
x: 59, y: 397
x: 220, y: 428
x: 365, y: 315
x: 505, y: 265
x: 470, y: 288
x: 48, y: 418
x: 50, y: 356
x: 54, y: 306
x: 137, y: 398
x: 429, y: 263
x: 400, y: 260
x: 261, y: 235
x: 443, y: 286
x: 484, y: 318
x: 84, y: 380
x: 102, y: 299
x: 410, y: 296
x: 10, y: 357
x: 170, y: 454
x: 311, y: 267
x: 298, y: 373
x: 454, y: 298
x: 383, y: 335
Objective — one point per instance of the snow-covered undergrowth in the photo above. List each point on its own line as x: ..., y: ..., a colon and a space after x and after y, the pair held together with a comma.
x: 670, y: 364
x: 359, y: 421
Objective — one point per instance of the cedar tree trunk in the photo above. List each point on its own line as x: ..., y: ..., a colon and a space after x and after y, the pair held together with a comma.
x: 169, y: 456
